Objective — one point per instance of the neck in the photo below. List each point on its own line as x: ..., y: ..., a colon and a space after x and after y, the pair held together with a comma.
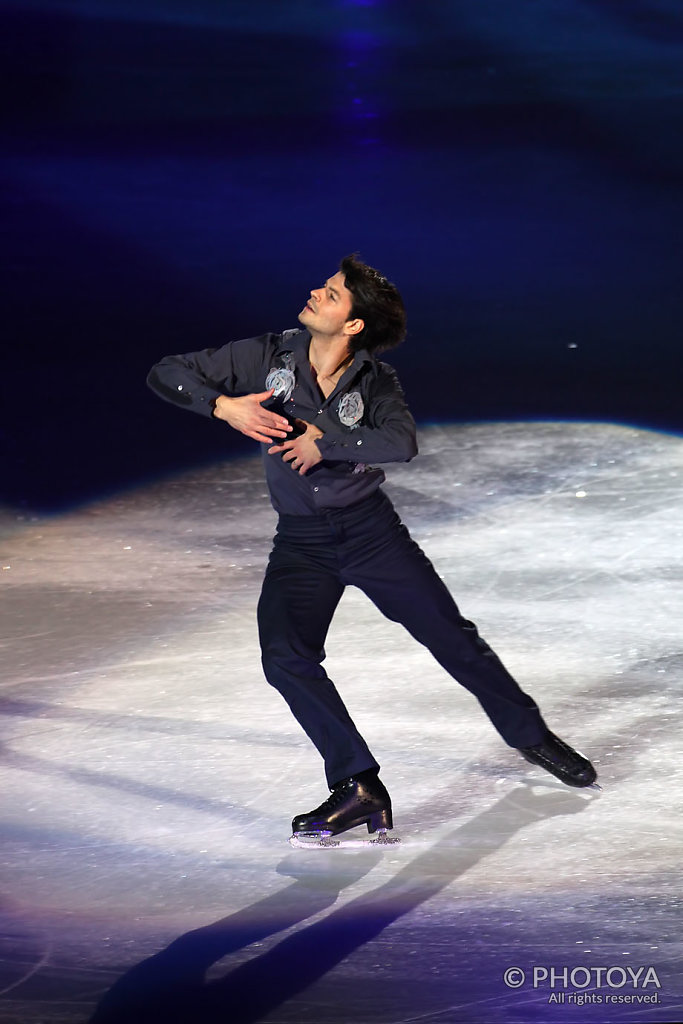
x: 329, y: 357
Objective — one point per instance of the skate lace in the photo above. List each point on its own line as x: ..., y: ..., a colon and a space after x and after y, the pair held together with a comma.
x: 336, y: 797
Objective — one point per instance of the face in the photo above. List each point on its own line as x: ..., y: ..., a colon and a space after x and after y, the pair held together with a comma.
x: 328, y: 310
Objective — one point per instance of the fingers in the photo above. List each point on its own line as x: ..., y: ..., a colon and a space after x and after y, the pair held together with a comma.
x: 267, y: 421
x: 271, y: 427
x: 275, y: 425
x: 247, y: 415
x: 299, y: 465
x: 296, y: 460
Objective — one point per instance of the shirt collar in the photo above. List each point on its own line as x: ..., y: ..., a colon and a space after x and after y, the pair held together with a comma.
x: 299, y: 342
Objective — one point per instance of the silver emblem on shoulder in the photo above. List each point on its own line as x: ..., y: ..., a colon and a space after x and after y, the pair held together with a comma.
x: 350, y: 409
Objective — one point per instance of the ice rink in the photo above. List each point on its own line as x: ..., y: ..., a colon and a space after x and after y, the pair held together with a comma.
x: 150, y: 775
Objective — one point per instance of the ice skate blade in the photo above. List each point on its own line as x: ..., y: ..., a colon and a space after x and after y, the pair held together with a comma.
x: 326, y: 841
x: 596, y: 786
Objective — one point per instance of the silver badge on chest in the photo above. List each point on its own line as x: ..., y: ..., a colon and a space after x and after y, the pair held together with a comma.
x: 350, y: 409
x: 281, y: 378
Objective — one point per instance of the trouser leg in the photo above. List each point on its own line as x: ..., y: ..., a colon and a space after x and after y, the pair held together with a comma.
x: 298, y: 600
x: 401, y: 581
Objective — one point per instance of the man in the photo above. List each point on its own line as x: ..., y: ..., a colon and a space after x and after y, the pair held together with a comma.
x: 324, y: 409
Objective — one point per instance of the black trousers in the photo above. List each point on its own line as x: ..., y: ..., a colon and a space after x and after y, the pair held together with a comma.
x: 313, y: 559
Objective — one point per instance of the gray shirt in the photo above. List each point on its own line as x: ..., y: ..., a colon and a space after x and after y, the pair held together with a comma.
x: 365, y: 419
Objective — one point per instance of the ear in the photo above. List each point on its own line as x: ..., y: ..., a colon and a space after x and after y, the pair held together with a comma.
x: 354, y: 326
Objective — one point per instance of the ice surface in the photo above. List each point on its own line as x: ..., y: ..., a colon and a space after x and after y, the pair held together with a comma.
x: 150, y: 775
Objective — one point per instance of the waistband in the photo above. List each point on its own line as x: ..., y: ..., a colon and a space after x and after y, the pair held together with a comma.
x: 328, y: 519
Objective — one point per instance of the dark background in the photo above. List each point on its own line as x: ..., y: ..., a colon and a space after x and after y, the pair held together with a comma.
x: 178, y: 174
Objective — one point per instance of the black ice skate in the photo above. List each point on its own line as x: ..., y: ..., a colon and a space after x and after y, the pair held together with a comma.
x: 558, y: 758
x: 359, y: 800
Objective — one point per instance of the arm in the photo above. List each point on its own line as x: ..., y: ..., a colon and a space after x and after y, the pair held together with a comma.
x: 198, y: 381
x: 247, y: 415
x: 389, y: 436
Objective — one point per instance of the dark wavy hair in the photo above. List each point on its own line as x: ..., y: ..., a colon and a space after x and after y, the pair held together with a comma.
x: 377, y: 302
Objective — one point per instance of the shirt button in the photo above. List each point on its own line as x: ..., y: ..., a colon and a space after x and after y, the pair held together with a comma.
x: 180, y: 387
x: 316, y: 489
x: 319, y: 412
x: 359, y: 442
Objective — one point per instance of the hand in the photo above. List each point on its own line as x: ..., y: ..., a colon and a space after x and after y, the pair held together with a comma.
x: 302, y: 453
x: 247, y: 415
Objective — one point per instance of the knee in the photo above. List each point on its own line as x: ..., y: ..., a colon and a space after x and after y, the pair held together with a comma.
x: 283, y: 666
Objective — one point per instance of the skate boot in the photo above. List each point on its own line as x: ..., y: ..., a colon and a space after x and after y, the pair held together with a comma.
x: 558, y: 758
x: 359, y: 800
